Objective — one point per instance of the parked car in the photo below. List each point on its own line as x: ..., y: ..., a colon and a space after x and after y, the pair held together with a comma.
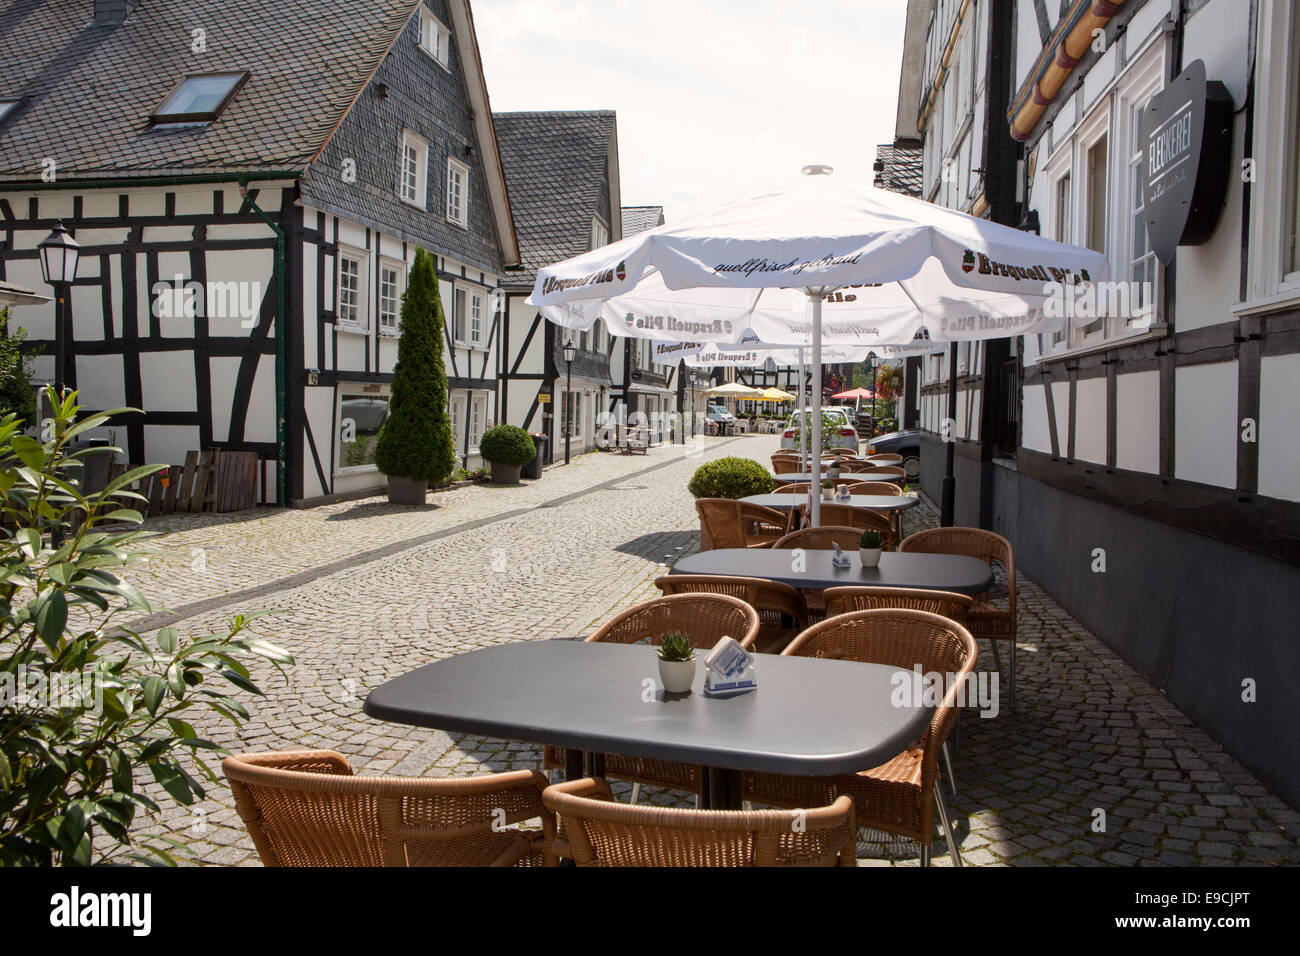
x: 719, y: 414
x: 906, y: 443
x: 846, y: 436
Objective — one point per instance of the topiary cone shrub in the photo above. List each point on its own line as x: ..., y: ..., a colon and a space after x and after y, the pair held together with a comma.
x: 731, y: 478
x: 415, y: 445
x: 508, y: 448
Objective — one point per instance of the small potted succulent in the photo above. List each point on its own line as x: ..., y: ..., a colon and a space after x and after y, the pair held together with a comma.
x: 676, y: 663
x: 828, y: 489
x: 834, y: 470
x: 869, y: 548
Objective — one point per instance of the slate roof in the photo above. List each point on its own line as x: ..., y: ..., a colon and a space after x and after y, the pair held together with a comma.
x: 899, y: 169
x: 555, y: 169
x: 640, y: 218
x: 89, y: 89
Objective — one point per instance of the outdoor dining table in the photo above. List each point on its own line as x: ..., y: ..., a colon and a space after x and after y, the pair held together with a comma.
x: 894, y: 504
x: 898, y: 569
x: 845, y: 477
x: 808, y: 716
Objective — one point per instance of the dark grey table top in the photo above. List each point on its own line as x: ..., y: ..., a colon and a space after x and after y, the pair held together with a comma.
x: 870, y: 502
x: 808, y: 716
x: 845, y: 477
x: 906, y: 569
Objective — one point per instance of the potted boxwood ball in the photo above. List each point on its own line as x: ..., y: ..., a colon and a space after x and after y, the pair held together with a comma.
x: 508, y: 448
x: 728, y: 478
x: 869, y: 548
x: 676, y: 663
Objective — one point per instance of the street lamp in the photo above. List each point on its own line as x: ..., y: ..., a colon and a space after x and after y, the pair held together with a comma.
x: 59, y: 256
x: 570, y: 353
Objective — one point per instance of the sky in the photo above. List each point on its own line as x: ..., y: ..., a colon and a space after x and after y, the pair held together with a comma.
x: 717, y: 100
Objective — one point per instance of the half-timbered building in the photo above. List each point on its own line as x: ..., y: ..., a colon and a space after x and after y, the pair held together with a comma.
x: 1144, y: 461
x: 562, y: 172
x: 249, y: 182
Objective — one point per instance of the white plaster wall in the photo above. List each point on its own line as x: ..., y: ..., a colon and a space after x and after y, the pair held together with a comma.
x: 1034, y: 433
x: 99, y: 380
x: 1205, y: 424
x: 1137, y: 421
x: 168, y: 444
x: 167, y: 382
x: 1090, y: 420
x: 1279, y: 427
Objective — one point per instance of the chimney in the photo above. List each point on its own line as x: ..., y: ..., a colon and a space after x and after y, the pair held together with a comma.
x: 113, y: 11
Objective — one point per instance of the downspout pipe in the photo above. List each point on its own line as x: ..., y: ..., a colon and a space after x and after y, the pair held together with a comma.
x: 281, y: 372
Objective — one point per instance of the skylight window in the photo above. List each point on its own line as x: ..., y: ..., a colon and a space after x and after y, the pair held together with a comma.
x: 7, y: 105
x: 198, y: 99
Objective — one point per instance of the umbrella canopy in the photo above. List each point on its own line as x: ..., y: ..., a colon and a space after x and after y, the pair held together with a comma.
x: 880, y: 265
x: 854, y: 393
x: 733, y: 390
x: 776, y: 395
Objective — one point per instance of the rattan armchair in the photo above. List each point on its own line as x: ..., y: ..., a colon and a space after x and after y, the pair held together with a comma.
x: 306, y: 808
x: 705, y: 618
x: 727, y: 523
x: 874, y: 488
x: 984, y: 619
x: 885, y: 457
x: 821, y: 538
x: 786, y: 465
x: 902, y: 795
x: 782, y: 613
x: 860, y: 518
x: 846, y: 600
x: 600, y: 832
x: 885, y: 470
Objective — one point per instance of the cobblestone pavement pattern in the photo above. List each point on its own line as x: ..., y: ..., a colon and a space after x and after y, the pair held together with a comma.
x: 555, y: 557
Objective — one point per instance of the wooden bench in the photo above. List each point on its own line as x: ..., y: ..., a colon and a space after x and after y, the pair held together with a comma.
x: 638, y: 439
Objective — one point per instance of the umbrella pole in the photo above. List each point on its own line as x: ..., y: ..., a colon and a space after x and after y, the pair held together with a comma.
x: 803, y: 408
x: 815, y: 425
x: 947, y: 506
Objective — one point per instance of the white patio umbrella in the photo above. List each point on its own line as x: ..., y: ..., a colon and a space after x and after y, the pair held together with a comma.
x: 880, y: 265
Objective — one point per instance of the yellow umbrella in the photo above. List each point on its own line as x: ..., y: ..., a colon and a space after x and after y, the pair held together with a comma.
x: 775, y: 395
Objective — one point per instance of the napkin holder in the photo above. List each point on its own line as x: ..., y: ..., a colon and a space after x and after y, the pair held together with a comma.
x: 842, y: 493
x: 729, y: 669
x: 840, y: 559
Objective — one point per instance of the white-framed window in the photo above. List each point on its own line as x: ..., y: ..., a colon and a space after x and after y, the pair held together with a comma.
x: 476, y: 324
x: 350, y: 307
x: 456, y: 411
x: 361, y: 411
x: 477, y: 420
x: 459, y: 308
x: 390, y: 295
x: 571, y: 412
x: 435, y: 39
x: 599, y: 233
x: 457, y: 193
x: 414, y: 169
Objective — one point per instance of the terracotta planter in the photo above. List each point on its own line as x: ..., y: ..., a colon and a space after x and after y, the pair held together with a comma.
x: 406, y: 491
x: 505, y: 474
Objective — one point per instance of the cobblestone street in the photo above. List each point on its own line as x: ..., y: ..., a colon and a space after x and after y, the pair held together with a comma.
x: 360, y: 592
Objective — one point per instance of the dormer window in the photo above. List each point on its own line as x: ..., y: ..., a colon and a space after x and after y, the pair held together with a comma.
x: 599, y: 233
x: 435, y: 39
x: 199, y: 98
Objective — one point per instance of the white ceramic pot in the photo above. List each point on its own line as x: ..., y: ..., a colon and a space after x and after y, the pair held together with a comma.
x: 828, y: 494
x: 677, y: 676
x: 870, y: 557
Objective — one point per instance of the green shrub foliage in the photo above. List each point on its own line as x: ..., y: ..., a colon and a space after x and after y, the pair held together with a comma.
x: 507, y: 445
x: 416, y: 440
x: 731, y: 478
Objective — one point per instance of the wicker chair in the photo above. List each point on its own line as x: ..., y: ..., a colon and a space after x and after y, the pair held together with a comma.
x: 886, y: 470
x: 902, y: 795
x: 726, y: 523
x: 786, y: 466
x: 874, y: 488
x: 860, y: 518
x: 600, y: 832
x: 776, y: 603
x: 820, y: 539
x: 305, y: 808
x: 984, y: 619
x: 795, y: 488
x: 947, y: 604
x: 705, y: 619
x: 886, y: 457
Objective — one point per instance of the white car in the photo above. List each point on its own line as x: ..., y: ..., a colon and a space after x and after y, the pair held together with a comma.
x: 846, y: 436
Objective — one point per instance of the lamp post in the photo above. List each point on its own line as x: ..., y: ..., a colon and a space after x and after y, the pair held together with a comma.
x: 570, y: 353
x: 59, y: 256
x: 873, y: 396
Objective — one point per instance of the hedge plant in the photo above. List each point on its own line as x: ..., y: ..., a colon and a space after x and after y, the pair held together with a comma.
x: 415, y: 441
x: 731, y: 478
x: 507, y: 445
